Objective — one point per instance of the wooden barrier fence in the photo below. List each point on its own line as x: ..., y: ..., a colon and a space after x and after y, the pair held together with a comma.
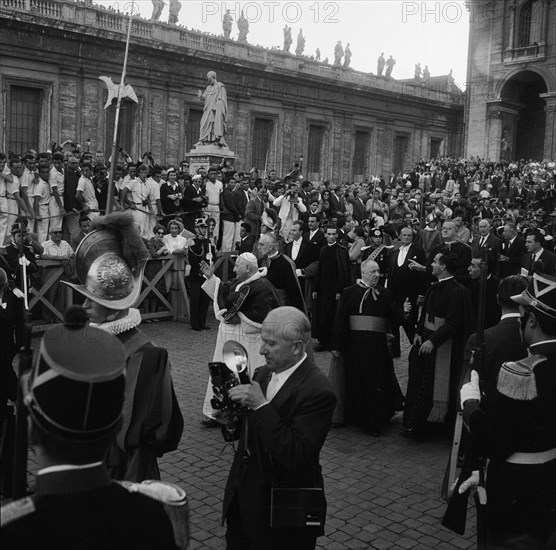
x: 54, y: 296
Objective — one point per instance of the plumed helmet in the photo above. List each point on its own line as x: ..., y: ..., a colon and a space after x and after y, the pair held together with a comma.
x: 109, y: 262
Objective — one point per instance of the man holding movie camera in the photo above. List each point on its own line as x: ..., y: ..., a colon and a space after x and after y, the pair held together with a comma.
x: 276, y: 468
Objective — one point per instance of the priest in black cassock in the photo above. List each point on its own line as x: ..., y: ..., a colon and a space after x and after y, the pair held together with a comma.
x: 333, y: 275
x: 280, y: 272
x: 436, y: 359
x: 365, y: 313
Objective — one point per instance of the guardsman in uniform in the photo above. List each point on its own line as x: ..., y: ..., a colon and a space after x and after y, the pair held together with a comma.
x: 109, y: 263
x: 378, y: 252
x: 515, y: 428
x: 199, y: 251
x: 74, y: 395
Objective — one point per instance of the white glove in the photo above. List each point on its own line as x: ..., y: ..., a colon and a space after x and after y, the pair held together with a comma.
x: 471, y: 390
x: 24, y: 261
x: 18, y: 293
x: 471, y: 482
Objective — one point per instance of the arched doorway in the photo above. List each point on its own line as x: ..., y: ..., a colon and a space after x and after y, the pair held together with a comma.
x: 523, y: 89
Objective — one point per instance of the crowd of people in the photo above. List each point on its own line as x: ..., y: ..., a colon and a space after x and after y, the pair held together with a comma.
x: 352, y: 263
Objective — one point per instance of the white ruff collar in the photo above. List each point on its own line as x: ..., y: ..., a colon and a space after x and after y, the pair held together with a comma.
x: 131, y: 320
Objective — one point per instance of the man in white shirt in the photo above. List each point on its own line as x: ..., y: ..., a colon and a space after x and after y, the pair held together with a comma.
x: 39, y: 192
x: 290, y: 205
x: 25, y: 180
x: 56, y: 182
x: 136, y: 196
x: 85, y: 193
x: 213, y: 189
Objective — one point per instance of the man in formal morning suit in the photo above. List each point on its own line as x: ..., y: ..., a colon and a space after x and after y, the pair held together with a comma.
x: 512, y: 250
x: 290, y: 405
x: 537, y: 259
x: 404, y: 282
x: 74, y: 397
x: 305, y: 256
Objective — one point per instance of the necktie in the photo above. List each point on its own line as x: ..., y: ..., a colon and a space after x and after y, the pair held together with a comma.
x: 272, y: 388
x: 290, y: 211
x: 482, y: 242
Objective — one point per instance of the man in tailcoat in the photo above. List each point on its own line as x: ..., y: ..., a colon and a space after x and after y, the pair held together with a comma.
x: 512, y: 250
x: 405, y: 283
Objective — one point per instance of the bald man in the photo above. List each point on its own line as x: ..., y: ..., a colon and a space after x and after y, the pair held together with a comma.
x: 240, y: 305
x: 291, y: 405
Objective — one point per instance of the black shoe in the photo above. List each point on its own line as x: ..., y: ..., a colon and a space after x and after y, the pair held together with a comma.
x: 197, y: 329
x: 411, y: 433
x: 209, y: 423
x: 205, y: 327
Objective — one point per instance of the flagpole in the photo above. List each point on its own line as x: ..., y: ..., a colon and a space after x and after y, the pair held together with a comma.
x: 114, y: 156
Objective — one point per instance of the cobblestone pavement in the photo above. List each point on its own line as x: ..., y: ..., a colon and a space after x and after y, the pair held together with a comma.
x: 382, y: 492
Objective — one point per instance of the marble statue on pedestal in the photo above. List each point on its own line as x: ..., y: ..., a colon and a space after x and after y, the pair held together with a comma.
x: 215, y: 112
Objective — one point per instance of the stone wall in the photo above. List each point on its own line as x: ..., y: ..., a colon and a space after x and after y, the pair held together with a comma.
x: 68, y: 46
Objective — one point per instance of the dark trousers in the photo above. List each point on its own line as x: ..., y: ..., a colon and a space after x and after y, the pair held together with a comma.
x: 198, y: 304
x: 264, y: 539
x: 521, y: 504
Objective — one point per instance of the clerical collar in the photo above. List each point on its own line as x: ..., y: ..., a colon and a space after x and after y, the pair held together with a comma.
x: 274, y: 255
x: 445, y: 279
x: 451, y: 242
x: 331, y: 244
x: 510, y: 316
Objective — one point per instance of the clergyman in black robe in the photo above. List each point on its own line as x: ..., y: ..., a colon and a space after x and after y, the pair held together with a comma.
x: 436, y: 358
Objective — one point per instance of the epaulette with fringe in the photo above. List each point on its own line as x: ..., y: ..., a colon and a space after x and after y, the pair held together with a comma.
x: 516, y: 379
x: 16, y: 510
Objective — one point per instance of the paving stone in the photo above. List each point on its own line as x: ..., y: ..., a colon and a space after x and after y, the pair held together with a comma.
x: 383, y: 493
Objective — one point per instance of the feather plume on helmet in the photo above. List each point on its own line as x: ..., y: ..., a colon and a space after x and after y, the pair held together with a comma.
x: 109, y: 262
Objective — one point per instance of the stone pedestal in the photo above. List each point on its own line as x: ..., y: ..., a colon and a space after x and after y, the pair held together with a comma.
x: 208, y: 155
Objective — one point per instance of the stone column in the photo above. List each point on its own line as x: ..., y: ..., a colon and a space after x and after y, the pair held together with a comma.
x: 550, y: 126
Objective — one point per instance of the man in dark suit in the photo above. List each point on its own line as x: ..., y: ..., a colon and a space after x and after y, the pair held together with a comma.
x: 314, y: 234
x: 242, y: 197
x: 247, y: 241
x: 290, y: 404
x: 502, y: 341
x: 192, y: 202
x: 487, y: 243
x: 253, y: 211
x: 404, y: 282
x: 359, y: 212
x: 76, y: 504
x: 337, y: 203
x: 537, y: 259
x: 512, y: 250
x: 519, y: 195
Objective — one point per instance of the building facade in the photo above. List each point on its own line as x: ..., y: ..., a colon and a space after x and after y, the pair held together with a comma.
x: 344, y: 125
x: 511, y: 80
